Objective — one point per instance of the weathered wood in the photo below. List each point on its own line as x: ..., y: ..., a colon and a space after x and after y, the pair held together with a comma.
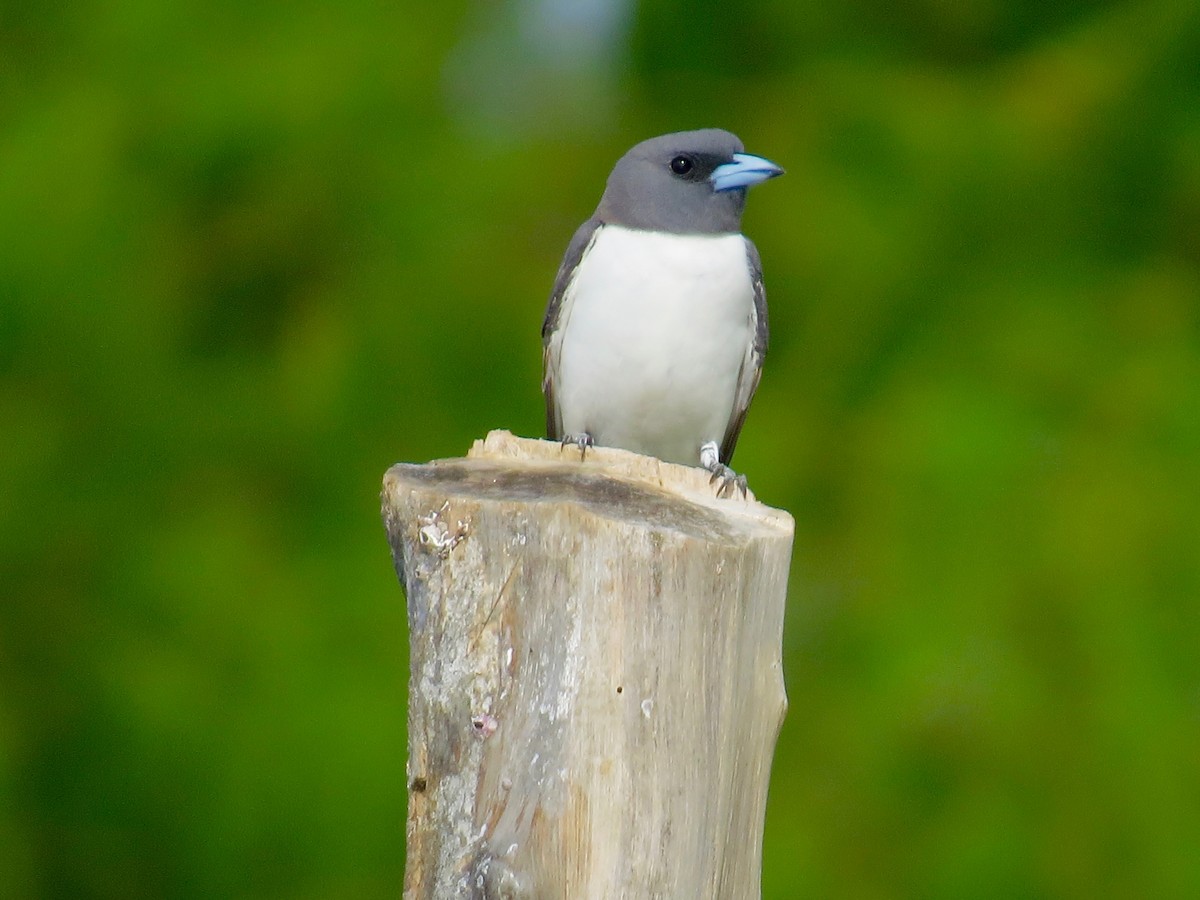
x: 596, y: 683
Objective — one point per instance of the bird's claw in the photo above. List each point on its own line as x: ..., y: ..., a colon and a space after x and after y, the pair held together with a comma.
x: 583, y: 441
x: 728, y: 481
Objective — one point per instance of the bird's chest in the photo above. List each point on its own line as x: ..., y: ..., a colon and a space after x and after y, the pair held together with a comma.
x: 670, y: 304
x: 655, y: 334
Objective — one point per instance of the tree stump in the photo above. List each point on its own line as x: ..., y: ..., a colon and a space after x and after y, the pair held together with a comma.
x: 596, y: 683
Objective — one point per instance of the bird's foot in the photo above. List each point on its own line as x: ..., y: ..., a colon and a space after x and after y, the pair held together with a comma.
x: 583, y: 441
x: 728, y: 482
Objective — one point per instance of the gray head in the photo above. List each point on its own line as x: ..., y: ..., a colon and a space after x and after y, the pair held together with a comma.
x: 690, y: 182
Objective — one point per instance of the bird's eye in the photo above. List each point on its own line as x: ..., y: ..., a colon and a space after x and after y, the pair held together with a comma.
x: 681, y: 165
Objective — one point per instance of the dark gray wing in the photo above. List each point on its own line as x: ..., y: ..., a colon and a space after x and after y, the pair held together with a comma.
x: 557, y: 313
x: 752, y: 363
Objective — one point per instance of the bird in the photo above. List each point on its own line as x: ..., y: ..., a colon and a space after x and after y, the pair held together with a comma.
x: 656, y: 329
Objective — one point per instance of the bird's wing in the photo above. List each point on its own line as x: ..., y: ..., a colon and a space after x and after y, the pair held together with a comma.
x: 752, y: 363
x: 557, y: 313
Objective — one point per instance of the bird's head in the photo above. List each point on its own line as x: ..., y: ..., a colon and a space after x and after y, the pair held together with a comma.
x: 690, y: 182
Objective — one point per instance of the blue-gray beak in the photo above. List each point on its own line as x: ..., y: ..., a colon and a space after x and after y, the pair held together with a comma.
x: 744, y: 171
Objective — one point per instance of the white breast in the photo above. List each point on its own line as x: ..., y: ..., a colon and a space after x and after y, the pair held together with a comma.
x: 654, y: 331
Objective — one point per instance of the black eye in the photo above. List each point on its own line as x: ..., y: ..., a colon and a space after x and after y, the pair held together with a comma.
x: 681, y: 165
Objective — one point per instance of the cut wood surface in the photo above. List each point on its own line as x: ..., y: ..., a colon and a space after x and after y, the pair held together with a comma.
x: 596, y: 683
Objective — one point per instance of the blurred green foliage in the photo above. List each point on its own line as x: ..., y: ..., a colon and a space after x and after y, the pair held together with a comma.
x: 250, y: 255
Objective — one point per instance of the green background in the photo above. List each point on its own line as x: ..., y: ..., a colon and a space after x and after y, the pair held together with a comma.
x: 252, y: 254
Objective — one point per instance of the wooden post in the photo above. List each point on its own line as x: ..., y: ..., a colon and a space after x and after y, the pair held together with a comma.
x: 596, y: 684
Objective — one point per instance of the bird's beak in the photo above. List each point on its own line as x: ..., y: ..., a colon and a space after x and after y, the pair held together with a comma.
x: 744, y: 171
